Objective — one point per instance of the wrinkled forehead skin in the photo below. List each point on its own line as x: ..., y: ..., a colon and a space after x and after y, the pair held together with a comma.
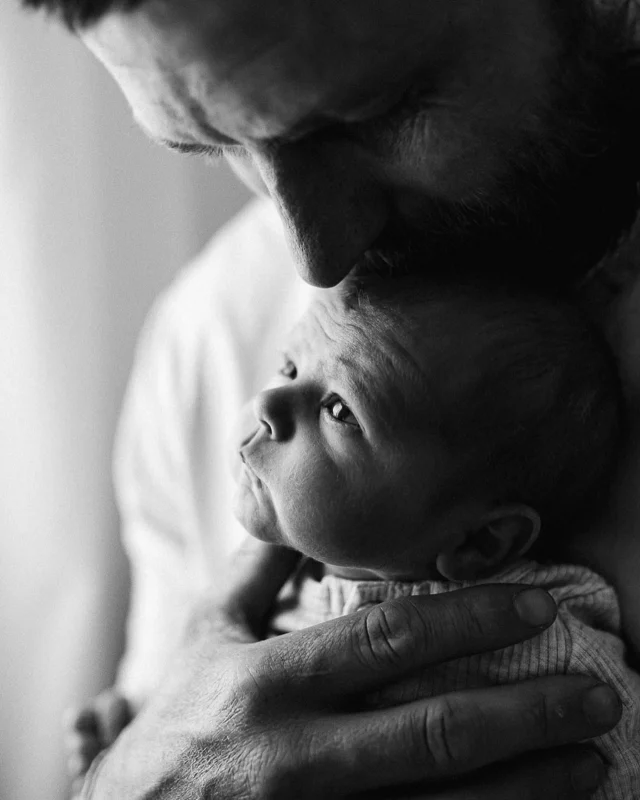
x: 388, y: 362
x: 258, y: 69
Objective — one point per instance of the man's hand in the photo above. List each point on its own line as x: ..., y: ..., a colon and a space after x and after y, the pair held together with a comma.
x: 238, y: 719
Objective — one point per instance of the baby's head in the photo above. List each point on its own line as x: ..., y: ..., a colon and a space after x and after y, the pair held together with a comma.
x: 419, y: 429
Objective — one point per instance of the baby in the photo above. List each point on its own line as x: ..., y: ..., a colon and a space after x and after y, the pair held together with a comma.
x: 423, y: 436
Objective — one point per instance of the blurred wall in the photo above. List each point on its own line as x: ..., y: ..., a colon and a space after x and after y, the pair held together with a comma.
x: 94, y: 220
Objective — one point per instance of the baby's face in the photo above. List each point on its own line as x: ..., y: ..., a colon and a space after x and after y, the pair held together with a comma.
x: 338, y: 460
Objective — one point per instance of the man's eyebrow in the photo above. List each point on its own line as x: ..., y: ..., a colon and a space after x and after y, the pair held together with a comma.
x: 192, y: 149
x: 305, y: 127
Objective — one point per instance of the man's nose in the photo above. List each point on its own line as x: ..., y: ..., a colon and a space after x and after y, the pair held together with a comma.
x: 332, y: 206
x: 273, y: 410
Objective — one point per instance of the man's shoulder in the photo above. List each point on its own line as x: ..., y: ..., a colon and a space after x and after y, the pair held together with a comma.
x: 235, y: 282
x: 227, y: 312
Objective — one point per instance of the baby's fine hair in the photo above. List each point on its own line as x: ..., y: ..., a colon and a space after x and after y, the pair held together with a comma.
x: 520, y: 385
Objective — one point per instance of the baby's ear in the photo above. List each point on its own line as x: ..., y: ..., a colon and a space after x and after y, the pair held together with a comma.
x: 503, y: 534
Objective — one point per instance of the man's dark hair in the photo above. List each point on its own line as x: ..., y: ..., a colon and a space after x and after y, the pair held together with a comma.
x: 78, y: 14
x: 521, y: 388
x: 570, y: 192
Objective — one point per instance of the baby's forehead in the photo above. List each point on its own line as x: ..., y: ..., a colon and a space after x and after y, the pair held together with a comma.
x: 382, y: 349
x: 333, y: 325
x: 431, y: 345
x: 344, y: 320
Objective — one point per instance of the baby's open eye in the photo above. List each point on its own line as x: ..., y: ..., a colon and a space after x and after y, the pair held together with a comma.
x: 288, y: 369
x: 341, y: 412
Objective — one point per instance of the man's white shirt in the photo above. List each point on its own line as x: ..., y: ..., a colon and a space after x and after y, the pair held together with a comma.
x: 210, y: 342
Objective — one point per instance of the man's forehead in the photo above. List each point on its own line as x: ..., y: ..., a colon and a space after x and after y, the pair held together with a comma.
x: 256, y: 68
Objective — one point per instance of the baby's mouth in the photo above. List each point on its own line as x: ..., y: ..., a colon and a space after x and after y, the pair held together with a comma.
x: 245, y: 463
x: 245, y: 441
x: 235, y: 459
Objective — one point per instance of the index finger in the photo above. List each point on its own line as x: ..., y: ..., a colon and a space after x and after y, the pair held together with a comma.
x: 365, y: 650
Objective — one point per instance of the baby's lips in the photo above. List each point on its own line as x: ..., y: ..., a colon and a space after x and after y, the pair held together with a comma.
x: 243, y: 431
x: 235, y: 459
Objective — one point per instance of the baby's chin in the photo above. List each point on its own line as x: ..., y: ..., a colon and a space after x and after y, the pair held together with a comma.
x: 253, y: 517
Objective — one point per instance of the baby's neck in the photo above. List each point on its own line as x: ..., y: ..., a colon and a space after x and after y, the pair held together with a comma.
x: 428, y: 573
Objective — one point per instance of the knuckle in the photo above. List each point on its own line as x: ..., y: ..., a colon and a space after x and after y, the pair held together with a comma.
x: 260, y: 688
x: 250, y: 694
x: 542, y: 715
x: 283, y: 769
x: 383, y: 640
x: 447, y: 736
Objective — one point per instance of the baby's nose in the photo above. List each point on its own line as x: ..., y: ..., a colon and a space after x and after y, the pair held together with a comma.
x: 272, y: 409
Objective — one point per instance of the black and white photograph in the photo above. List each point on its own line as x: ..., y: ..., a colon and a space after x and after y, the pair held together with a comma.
x: 320, y: 399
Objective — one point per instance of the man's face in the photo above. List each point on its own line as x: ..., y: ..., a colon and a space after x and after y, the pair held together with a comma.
x: 338, y: 457
x: 360, y: 119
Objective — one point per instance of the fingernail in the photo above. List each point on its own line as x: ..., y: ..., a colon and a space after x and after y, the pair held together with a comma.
x: 602, y: 706
x: 588, y: 773
x: 535, y: 607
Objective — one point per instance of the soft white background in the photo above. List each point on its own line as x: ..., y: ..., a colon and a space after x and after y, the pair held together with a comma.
x: 94, y: 220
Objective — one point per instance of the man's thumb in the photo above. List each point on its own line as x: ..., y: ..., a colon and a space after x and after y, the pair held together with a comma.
x: 256, y: 575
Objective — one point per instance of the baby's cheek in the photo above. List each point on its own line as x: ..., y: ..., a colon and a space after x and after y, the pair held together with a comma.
x: 314, y: 510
